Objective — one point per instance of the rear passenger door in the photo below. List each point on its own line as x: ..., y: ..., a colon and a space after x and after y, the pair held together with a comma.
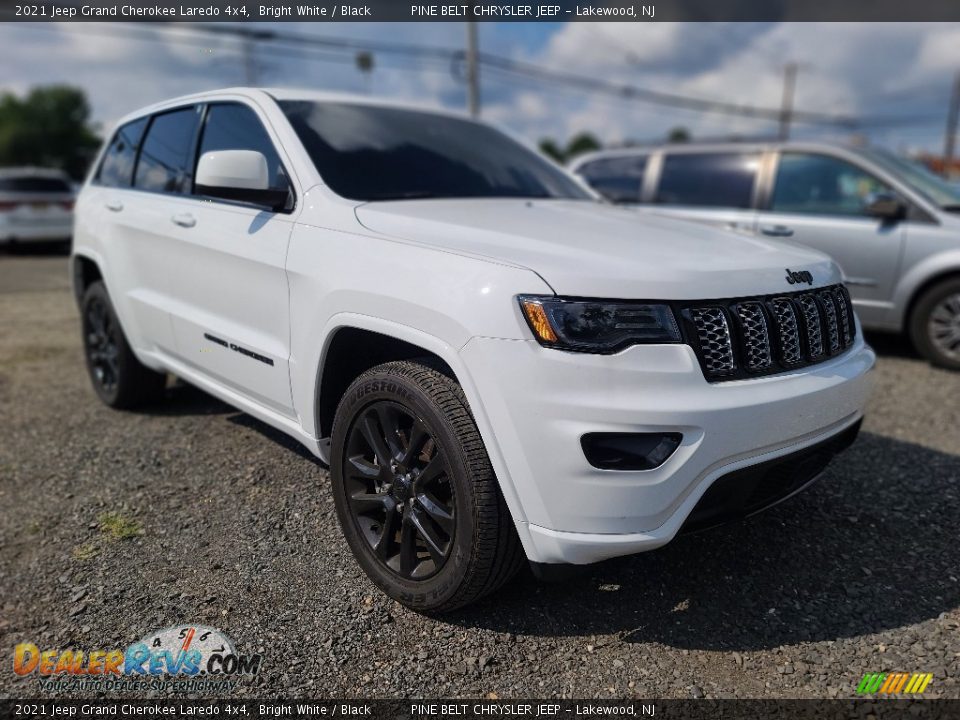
x: 713, y: 187
x: 146, y: 164
x: 231, y: 317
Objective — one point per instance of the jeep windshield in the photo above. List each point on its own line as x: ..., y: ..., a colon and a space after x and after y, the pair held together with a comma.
x: 931, y: 186
x: 369, y: 152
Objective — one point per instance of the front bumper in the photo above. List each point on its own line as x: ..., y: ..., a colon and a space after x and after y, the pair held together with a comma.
x: 539, y: 403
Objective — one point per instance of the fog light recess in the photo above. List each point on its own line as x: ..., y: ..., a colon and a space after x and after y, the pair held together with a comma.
x: 629, y: 451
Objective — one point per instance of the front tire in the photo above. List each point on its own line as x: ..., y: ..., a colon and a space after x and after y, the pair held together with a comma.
x: 935, y: 324
x: 119, y: 379
x: 415, y: 494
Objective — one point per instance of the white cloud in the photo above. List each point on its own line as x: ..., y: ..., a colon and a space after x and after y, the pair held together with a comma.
x: 868, y: 69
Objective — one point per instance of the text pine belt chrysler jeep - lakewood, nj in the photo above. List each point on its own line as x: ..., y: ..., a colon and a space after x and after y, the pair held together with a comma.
x: 497, y: 366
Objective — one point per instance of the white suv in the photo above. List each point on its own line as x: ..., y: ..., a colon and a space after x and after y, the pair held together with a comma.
x: 36, y: 205
x: 495, y: 365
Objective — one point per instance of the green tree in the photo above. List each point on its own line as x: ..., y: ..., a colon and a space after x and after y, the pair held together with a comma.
x: 549, y: 147
x: 50, y: 127
x: 678, y: 134
x: 582, y: 143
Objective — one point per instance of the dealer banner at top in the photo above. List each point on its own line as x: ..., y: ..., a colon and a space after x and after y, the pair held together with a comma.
x: 401, y: 11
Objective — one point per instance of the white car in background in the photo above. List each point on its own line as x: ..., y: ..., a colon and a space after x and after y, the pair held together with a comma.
x: 36, y: 205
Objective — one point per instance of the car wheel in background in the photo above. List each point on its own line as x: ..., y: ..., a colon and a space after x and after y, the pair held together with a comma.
x: 935, y: 324
x: 416, y: 496
x: 119, y: 379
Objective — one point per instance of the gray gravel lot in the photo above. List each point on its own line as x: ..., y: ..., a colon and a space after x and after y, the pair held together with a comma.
x: 858, y: 574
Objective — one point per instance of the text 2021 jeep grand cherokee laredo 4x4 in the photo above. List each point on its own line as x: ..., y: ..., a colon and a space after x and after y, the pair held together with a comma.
x: 495, y: 365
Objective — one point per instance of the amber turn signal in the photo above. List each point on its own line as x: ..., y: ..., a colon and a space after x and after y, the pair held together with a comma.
x: 537, y: 317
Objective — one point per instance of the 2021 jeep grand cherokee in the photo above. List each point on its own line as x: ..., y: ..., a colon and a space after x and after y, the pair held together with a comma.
x: 496, y: 365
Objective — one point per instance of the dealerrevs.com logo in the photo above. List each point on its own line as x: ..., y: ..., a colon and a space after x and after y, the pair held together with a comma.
x: 187, y: 658
x: 894, y: 683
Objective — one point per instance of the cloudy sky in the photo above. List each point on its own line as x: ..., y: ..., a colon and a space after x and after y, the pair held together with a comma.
x: 896, y: 77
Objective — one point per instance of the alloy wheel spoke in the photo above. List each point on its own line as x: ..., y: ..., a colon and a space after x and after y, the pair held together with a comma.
x: 418, y: 438
x: 372, y: 435
x: 367, y: 502
x: 387, y: 532
x: 437, y: 512
x: 390, y: 423
x: 408, y: 548
x: 433, y: 470
x: 361, y: 469
x: 429, y: 536
x: 941, y: 314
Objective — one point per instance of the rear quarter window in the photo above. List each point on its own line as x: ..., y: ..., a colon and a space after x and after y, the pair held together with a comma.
x: 116, y: 169
x: 708, y: 179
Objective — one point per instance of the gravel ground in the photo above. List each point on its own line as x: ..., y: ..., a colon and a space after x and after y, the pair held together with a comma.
x: 238, y: 531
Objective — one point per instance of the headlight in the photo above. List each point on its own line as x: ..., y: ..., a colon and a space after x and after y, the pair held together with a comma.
x: 597, y: 326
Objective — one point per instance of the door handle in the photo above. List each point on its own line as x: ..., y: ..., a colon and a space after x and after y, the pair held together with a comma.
x: 114, y: 205
x: 777, y: 230
x: 184, y: 220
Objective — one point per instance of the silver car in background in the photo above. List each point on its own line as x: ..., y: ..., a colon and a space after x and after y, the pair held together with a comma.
x: 36, y: 205
x: 893, y: 227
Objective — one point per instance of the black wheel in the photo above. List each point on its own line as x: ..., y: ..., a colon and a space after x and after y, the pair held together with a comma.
x: 935, y: 324
x: 119, y: 379
x: 415, y: 494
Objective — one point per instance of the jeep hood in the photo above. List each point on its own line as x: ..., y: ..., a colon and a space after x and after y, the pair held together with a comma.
x: 589, y: 249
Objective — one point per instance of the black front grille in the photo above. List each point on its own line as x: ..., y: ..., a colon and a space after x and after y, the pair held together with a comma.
x: 746, y: 337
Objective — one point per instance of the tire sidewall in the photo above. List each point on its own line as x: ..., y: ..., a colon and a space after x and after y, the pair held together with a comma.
x: 920, y: 319
x: 438, y: 589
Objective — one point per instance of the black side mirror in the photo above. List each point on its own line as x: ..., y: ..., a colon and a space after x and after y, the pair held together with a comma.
x: 275, y: 199
x: 886, y: 207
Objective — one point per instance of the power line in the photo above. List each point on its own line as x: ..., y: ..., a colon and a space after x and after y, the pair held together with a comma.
x: 274, y: 40
x: 505, y: 64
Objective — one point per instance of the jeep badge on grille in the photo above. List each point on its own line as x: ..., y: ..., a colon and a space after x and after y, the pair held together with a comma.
x: 795, y: 277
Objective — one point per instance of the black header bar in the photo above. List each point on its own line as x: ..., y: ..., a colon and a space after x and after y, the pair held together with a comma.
x: 463, y: 10
x: 485, y: 709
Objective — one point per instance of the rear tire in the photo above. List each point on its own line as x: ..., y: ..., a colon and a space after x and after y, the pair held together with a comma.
x: 119, y: 379
x: 935, y: 324
x: 415, y: 493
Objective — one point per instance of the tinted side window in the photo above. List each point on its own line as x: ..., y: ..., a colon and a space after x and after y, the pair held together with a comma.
x: 231, y: 126
x: 708, y: 179
x: 823, y: 185
x: 165, y: 163
x: 618, y: 179
x: 116, y: 170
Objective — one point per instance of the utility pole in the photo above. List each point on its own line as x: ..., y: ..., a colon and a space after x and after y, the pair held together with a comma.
x: 473, y: 69
x: 786, y: 104
x: 950, y: 138
x: 364, y: 61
